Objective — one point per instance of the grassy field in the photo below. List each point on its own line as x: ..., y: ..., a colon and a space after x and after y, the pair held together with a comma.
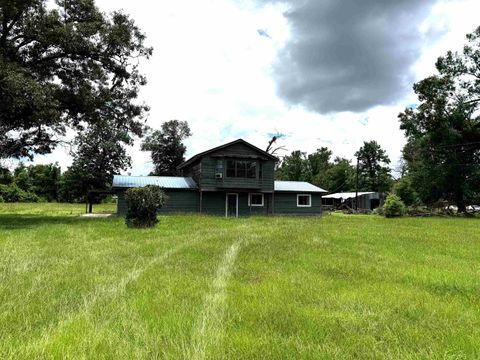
x: 199, y: 287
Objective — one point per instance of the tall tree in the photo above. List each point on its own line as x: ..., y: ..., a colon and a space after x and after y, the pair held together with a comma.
x: 5, y: 176
x: 443, y: 132
x: 317, y: 164
x: 166, y: 147
x: 61, y: 65
x: 44, y: 180
x: 340, y: 176
x: 22, y: 178
x: 98, y: 155
x: 374, y: 173
x: 293, y: 167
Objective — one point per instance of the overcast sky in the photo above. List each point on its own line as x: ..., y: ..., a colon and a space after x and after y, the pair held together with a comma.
x: 324, y: 72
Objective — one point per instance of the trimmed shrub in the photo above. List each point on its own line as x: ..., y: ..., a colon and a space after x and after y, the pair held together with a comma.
x: 143, y: 204
x: 393, y: 206
x: 1, y: 199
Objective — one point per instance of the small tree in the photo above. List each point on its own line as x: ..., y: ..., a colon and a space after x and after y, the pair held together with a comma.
x: 143, y: 204
x: 405, y: 190
x: 393, y: 206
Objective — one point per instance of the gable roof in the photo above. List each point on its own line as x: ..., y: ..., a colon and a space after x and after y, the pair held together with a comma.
x: 167, y: 182
x: 238, y: 141
x: 297, y: 186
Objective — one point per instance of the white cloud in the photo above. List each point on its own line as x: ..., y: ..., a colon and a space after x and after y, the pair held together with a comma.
x: 213, y: 69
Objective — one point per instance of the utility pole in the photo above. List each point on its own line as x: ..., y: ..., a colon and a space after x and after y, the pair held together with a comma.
x: 356, y: 189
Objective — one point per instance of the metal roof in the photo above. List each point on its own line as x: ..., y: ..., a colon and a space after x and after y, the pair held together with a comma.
x: 167, y: 182
x: 297, y: 186
x: 347, y: 195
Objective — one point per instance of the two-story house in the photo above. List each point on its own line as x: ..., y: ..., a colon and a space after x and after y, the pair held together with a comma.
x: 234, y: 179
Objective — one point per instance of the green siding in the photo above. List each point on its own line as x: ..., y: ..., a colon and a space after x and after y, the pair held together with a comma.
x: 208, y: 180
x: 286, y: 203
x: 179, y: 201
x: 213, y: 203
x: 121, y: 204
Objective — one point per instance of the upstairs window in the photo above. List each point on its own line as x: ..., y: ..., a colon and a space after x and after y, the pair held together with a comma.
x: 219, y: 167
x: 304, y: 200
x: 231, y: 168
x: 252, y: 169
x: 242, y: 168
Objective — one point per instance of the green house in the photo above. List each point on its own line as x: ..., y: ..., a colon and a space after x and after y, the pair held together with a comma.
x: 235, y: 179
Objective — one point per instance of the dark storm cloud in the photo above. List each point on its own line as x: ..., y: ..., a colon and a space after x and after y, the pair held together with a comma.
x: 349, y: 55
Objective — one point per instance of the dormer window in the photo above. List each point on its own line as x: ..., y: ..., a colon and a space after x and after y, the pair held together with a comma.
x: 242, y: 168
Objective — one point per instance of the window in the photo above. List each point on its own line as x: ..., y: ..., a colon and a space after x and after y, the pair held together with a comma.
x: 255, y: 199
x: 251, y: 169
x: 260, y: 170
x: 304, y: 200
x: 231, y: 168
x: 242, y: 168
x: 219, y: 167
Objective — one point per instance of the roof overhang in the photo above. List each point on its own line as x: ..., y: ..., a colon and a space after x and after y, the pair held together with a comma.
x: 239, y: 141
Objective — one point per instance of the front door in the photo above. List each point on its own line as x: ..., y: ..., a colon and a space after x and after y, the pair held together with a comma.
x: 231, y: 205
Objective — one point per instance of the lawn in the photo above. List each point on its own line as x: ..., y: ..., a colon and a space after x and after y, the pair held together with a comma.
x: 199, y: 287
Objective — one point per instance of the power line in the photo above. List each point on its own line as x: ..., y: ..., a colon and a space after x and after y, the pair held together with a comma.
x: 459, y: 144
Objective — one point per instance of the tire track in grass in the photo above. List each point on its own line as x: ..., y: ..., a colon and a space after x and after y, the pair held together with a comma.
x: 208, y: 330
x: 102, y: 292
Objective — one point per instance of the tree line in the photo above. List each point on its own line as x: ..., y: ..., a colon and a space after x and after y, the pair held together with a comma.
x: 339, y: 174
x: 97, y: 156
x: 441, y: 159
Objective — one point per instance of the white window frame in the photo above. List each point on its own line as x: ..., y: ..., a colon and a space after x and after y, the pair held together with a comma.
x: 250, y: 199
x: 309, y: 201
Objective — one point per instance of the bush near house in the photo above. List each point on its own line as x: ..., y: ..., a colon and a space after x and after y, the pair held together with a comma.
x: 393, y: 206
x: 143, y: 204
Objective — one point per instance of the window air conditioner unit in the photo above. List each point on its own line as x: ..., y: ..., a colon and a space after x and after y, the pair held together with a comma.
x: 218, y: 176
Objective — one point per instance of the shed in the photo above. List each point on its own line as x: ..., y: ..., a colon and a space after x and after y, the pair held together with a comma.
x: 367, y: 200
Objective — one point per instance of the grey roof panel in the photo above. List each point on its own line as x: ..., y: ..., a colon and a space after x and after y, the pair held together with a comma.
x: 167, y: 182
x: 297, y: 186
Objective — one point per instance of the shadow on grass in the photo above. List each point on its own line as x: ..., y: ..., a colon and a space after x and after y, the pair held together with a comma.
x: 17, y: 221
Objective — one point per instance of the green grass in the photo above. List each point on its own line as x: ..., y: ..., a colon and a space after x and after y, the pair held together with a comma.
x: 262, y: 287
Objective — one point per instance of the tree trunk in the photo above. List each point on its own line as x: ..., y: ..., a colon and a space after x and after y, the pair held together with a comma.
x: 461, y: 206
x: 460, y: 202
